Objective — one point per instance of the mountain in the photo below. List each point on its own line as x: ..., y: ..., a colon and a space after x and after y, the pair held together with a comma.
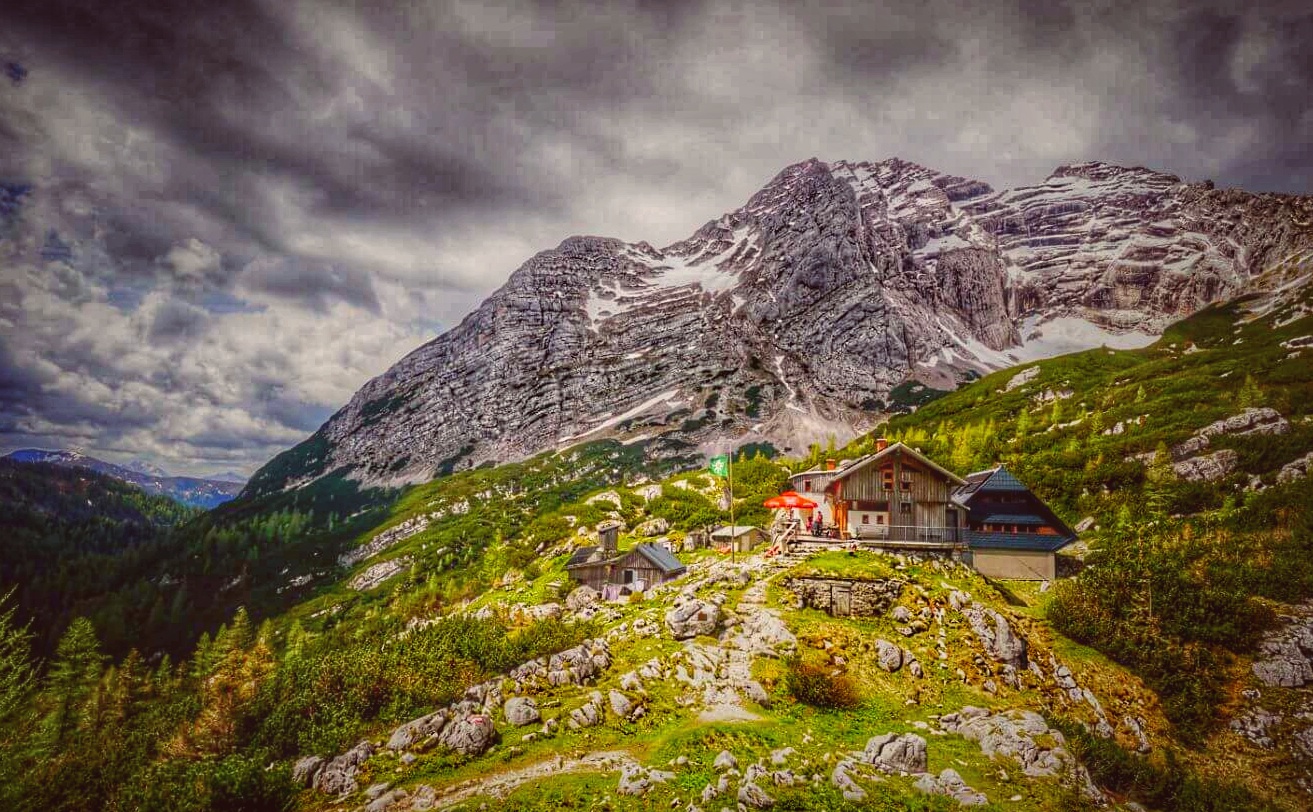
x: 190, y: 491
x: 837, y: 293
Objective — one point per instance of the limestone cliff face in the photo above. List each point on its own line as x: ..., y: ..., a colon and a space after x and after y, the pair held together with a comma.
x: 798, y: 314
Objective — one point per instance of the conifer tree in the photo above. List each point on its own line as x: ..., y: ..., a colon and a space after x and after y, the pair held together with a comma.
x: 17, y: 673
x: 73, y: 678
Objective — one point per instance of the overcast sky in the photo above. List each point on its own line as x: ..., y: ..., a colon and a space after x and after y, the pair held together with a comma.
x: 218, y: 220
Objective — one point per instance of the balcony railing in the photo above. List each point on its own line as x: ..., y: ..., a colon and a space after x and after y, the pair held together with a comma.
x: 910, y: 533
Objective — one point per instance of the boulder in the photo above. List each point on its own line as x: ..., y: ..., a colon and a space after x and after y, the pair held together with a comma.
x: 470, y: 735
x: 724, y: 761
x: 588, y: 714
x: 692, y: 618
x: 889, y: 655
x: 521, y: 711
x: 901, y: 614
x: 897, y: 752
x: 637, y: 780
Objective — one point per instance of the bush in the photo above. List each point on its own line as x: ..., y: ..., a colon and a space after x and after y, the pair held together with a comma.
x: 817, y: 684
x: 1169, y: 785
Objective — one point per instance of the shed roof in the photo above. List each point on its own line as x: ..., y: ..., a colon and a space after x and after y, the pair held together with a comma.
x: 581, y: 556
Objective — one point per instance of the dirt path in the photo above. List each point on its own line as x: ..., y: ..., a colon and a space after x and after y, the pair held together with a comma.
x: 499, y: 785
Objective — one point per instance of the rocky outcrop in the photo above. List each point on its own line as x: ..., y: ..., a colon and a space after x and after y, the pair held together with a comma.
x: 846, y: 597
x: 378, y: 573
x: 1295, y: 470
x: 581, y: 598
x: 1014, y: 735
x: 382, y: 541
x: 1209, y: 467
x: 1286, y: 653
x: 652, y: 527
x: 997, y: 636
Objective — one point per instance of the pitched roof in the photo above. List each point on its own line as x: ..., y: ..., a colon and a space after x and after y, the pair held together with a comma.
x: 661, y: 557
x: 1040, y: 542
x: 893, y: 448
x: 1000, y: 480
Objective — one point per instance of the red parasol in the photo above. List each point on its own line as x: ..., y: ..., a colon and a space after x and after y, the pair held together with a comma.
x: 789, y: 499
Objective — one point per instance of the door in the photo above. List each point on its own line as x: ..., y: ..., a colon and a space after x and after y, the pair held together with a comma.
x: 841, y: 600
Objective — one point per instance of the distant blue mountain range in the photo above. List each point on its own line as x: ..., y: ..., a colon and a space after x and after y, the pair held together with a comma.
x: 201, y: 493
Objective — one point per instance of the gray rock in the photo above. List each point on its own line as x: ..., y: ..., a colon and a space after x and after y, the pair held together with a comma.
x: 951, y: 784
x: 754, y: 796
x: 843, y: 781
x: 1208, y: 468
x: 621, y: 705
x: 652, y: 527
x: 305, y: 770
x: 1256, y: 726
x: 724, y: 761
x: 338, y: 776
x: 589, y: 714
x: 581, y: 597
x: 470, y: 735
x: 889, y: 655
x: 901, y: 614
x: 997, y: 636
x: 895, y: 752
x: 692, y: 618
x: 521, y: 711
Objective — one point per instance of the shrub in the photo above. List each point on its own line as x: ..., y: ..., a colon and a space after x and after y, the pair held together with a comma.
x: 817, y: 684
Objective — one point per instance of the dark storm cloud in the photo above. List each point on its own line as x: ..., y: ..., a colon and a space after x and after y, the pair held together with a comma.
x: 341, y: 176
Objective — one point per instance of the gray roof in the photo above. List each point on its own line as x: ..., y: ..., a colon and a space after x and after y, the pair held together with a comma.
x: 661, y: 557
x: 739, y: 530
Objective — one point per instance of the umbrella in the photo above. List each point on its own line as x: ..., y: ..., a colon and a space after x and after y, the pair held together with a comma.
x: 789, y: 499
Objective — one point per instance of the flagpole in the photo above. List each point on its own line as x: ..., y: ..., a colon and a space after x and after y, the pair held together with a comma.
x: 733, y: 530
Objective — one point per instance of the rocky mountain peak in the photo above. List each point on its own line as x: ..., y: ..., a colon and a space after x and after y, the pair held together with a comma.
x: 803, y: 312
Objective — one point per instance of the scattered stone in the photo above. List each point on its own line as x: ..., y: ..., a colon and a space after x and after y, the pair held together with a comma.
x: 652, y: 527
x: 1208, y: 468
x: 589, y: 714
x: 621, y: 705
x: 725, y: 761
x: 901, y: 614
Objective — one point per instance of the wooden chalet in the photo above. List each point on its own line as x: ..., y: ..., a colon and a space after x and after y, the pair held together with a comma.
x: 896, y: 497
x: 1010, y: 532
x: 604, y: 568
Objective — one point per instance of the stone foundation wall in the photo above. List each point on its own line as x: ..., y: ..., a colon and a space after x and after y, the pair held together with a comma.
x: 846, y: 597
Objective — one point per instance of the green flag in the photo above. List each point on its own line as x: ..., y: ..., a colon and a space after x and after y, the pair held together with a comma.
x: 719, y: 465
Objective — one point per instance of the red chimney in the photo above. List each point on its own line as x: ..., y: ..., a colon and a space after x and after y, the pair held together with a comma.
x: 881, y: 444
x: 830, y: 465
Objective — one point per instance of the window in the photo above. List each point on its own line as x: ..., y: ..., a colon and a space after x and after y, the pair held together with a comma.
x: 629, y: 576
x: 906, y: 508
x: 807, y: 485
x: 879, y: 519
x: 866, y: 518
